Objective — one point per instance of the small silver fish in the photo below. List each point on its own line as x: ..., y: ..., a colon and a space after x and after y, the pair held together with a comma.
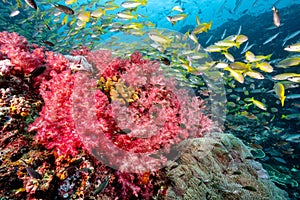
x: 223, y: 35
x: 209, y: 39
x: 290, y: 36
x: 14, y: 13
x: 271, y: 38
x: 240, y: 30
x: 276, y: 18
x: 247, y: 48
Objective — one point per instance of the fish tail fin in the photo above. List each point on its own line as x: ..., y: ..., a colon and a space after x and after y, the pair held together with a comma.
x: 198, y: 20
x: 238, y: 44
x: 227, y: 68
x: 282, y: 100
x: 209, y: 24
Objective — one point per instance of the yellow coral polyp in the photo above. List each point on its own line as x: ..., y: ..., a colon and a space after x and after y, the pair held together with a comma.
x: 13, y: 108
x: 135, y: 96
x: 117, y: 90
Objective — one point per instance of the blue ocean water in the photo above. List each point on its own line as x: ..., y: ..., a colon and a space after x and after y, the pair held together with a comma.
x: 275, y: 130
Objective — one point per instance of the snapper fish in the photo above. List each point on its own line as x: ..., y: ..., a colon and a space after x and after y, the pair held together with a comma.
x: 288, y: 62
x: 258, y: 104
x: 279, y: 90
x: 126, y: 15
x: 265, y: 66
x: 177, y: 8
x: 236, y: 75
x: 133, y: 4
x: 294, y: 79
x: 293, y: 47
x: 204, y: 27
x: 65, y: 9
x: 68, y: 2
x: 254, y: 74
x: 276, y: 17
x: 176, y: 18
x: 159, y: 38
x: 285, y: 76
x: 31, y: 3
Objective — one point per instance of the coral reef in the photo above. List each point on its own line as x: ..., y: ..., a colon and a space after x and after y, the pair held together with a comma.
x: 39, y: 80
x: 228, y: 171
x: 93, y: 126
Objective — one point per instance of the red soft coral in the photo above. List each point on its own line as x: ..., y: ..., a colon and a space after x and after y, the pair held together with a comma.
x: 125, y: 136
x: 55, y: 126
x: 135, y: 137
x: 16, y: 48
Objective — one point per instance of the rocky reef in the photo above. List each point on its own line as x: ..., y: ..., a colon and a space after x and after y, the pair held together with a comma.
x: 219, y: 166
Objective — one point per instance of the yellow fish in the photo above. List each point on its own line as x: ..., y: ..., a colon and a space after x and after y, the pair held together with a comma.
x: 97, y: 13
x: 250, y: 57
x: 236, y: 75
x: 254, y: 74
x: 204, y: 27
x: 84, y: 16
x: 65, y: 20
x: 285, y: 76
x: 68, y: 2
x: 241, y: 38
x: 279, y: 90
x: 133, y: 4
x: 258, y: 104
x: 265, y: 66
x: 158, y: 38
x: 126, y: 15
x: 228, y: 56
x: 227, y: 43
x: 176, y: 18
x: 288, y: 62
x: 240, y: 66
x: 194, y: 38
x: 293, y: 47
x: 177, y: 8
x: 215, y: 48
